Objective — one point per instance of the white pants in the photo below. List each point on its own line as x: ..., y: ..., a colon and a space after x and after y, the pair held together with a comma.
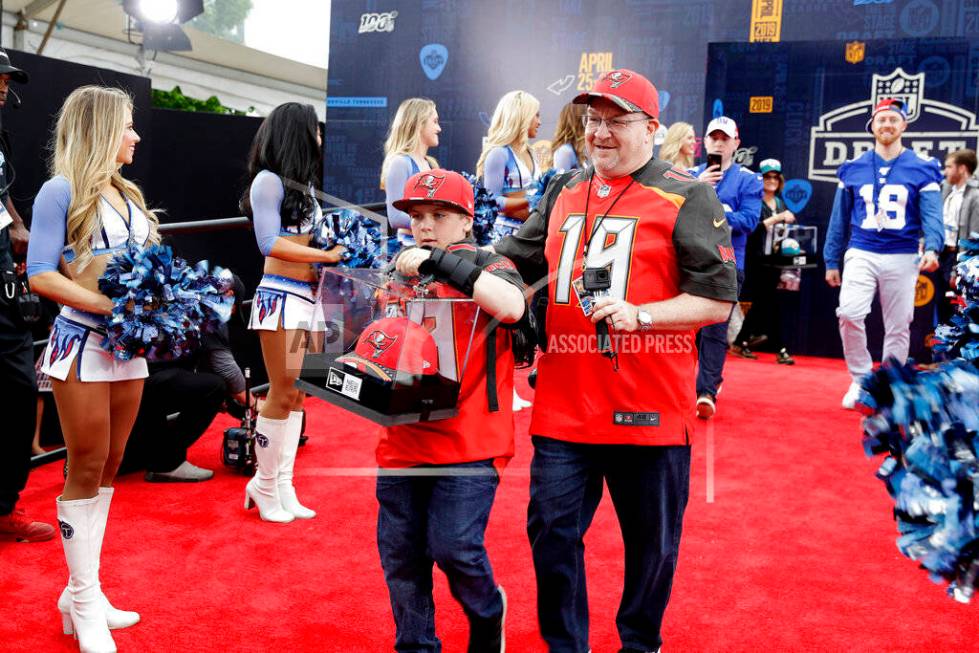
x: 895, y: 275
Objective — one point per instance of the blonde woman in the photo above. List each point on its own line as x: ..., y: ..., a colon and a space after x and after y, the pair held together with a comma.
x: 285, y: 166
x: 568, y: 145
x: 414, y: 130
x: 83, y: 215
x: 679, y: 145
x: 507, y: 165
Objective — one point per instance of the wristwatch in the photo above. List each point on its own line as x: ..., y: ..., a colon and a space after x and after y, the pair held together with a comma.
x: 645, y: 320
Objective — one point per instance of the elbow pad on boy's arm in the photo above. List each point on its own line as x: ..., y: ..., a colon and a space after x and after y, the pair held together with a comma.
x: 453, y: 269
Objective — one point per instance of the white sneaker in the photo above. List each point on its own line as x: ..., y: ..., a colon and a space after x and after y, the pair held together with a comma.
x: 851, y: 396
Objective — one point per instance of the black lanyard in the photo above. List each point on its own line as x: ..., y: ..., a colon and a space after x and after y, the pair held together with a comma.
x: 598, y: 220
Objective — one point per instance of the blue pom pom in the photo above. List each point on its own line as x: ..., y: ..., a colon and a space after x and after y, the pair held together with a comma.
x: 534, y: 196
x: 360, y: 235
x: 485, y: 211
x: 162, y: 306
x: 927, y: 421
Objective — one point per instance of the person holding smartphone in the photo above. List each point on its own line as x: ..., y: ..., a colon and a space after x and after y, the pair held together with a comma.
x: 739, y: 191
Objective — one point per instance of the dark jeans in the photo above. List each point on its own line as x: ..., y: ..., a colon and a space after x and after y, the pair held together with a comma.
x: 649, y: 487
x: 712, y: 350
x: 437, y: 519
x: 161, y: 446
x: 19, y: 409
x: 765, y: 315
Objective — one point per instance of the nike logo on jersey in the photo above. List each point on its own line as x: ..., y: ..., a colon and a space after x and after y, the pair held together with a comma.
x: 718, y: 222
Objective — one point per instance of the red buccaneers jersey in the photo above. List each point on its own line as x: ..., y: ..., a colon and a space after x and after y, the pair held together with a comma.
x: 475, y: 433
x: 662, y: 234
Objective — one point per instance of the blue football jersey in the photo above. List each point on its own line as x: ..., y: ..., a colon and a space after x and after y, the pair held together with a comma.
x: 885, y: 200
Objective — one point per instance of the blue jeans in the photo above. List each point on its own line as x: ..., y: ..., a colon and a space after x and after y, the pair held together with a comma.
x: 438, y: 519
x: 649, y: 487
x: 712, y: 350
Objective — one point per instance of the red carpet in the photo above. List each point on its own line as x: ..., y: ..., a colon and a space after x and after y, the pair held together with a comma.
x: 796, y: 553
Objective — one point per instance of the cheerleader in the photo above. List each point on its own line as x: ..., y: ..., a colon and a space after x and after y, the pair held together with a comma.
x: 285, y: 167
x: 507, y: 165
x: 414, y: 130
x: 679, y: 145
x: 568, y: 145
x: 83, y: 215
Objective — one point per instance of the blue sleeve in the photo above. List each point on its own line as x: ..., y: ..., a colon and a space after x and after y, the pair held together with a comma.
x: 266, y: 194
x: 565, y: 158
x: 930, y: 205
x: 930, y: 208
x: 836, y: 232
x: 493, y: 170
x: 394, y: 188
x: 48, y: 226
x: 745, y: 219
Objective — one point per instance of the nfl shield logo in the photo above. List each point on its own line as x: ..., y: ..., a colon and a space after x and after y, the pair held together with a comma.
x: 855, y: 51
x: 900, y: 86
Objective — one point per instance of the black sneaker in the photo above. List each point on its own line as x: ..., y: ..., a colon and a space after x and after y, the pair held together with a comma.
x: 743, y: 351
x: 783, y: 357
x: 488, y: 635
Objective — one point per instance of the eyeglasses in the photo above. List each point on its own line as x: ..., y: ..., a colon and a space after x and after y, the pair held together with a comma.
x: 593, y: 123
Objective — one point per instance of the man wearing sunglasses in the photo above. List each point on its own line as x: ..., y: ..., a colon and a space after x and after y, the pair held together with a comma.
x: 658, y: 242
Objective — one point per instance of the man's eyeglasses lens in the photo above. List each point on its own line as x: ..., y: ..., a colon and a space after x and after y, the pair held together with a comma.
x: 592, y: 123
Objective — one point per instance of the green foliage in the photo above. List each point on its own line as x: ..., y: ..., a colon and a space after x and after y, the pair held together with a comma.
x: 224, y: 18
x: 176, y: 99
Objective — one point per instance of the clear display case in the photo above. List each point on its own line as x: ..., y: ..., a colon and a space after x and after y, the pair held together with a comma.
x: 394, y: 350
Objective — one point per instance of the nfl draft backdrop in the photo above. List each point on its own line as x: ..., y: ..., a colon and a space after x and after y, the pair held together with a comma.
x: 465, y: 55
x: 808, y: 104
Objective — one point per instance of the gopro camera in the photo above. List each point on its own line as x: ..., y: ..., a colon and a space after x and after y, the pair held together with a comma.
x: 597, y: 280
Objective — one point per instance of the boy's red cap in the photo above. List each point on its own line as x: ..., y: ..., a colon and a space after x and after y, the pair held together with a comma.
x: 437, y: 187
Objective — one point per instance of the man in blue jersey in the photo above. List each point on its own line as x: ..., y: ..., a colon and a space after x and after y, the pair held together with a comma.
x: 887, y: 198
x: 739, y: 190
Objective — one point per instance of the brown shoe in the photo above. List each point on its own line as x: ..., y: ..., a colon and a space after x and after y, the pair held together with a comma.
x: 18, y: 526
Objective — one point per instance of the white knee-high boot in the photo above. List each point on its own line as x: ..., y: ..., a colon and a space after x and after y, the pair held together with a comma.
x: 287, y: 461
x: 263, y: 489
x: 86, y: 617
x: 114, y: 618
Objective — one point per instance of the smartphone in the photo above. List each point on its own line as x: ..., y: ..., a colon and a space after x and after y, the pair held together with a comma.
x: 714, y: 160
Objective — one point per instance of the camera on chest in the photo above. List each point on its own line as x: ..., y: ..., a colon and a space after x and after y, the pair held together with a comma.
x: 597, y: 280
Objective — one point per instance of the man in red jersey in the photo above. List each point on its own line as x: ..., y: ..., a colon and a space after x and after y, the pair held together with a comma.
x: 658, y: 242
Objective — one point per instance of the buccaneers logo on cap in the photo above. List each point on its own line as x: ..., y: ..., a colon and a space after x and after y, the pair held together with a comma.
x: 430, y: 183
x: 380, y: 341
x: 617, y: 78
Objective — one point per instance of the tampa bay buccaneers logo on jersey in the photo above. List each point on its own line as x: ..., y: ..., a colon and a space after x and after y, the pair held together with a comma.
x: 381, y: 342
x: 618, y: 78
x: 430, y: 183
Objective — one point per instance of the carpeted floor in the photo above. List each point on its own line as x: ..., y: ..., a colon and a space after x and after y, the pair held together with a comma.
x: 795, y: 553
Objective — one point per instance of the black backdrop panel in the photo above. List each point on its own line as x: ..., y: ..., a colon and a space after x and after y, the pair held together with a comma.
x: 806, y: 103
x: 31, y: 126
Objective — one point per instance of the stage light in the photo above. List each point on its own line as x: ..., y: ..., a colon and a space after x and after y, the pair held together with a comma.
x: 159, y: 11
x: 159, y: 21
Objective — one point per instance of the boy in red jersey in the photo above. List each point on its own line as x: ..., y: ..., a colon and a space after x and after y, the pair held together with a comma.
x: 661, y: 241
x: 436, y: 511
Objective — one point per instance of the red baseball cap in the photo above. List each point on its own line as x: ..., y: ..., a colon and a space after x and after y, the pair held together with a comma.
x: 394, y: 346
x: 628, y: 89
x: 437, y: 187
x: 888, y: 104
